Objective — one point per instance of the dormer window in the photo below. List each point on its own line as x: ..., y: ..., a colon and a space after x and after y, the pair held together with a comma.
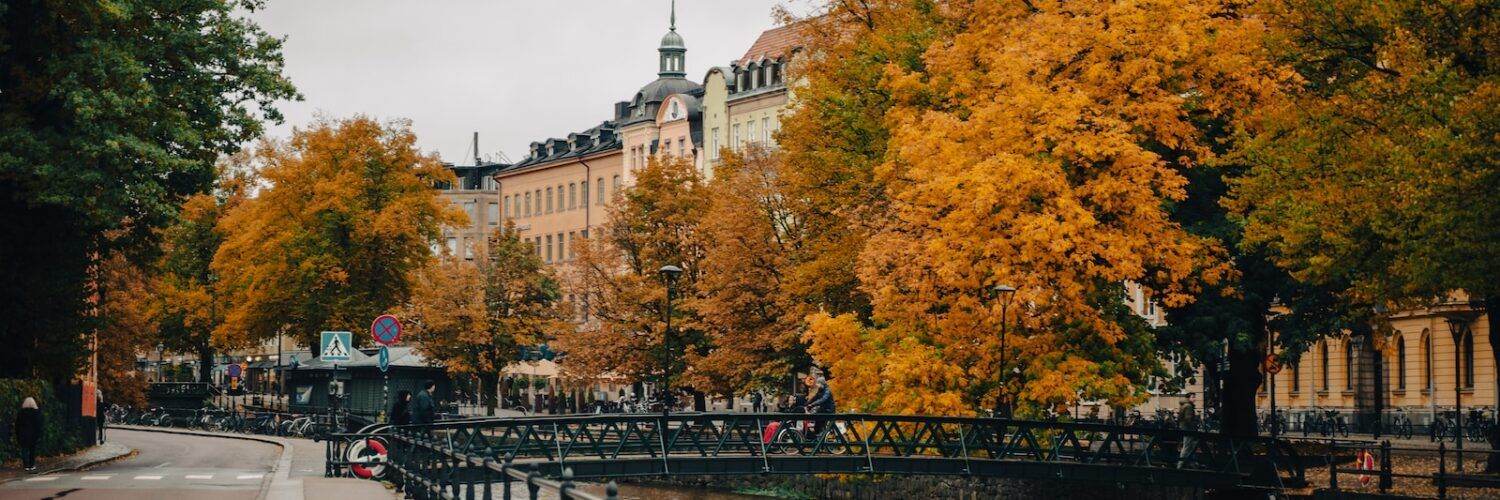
x: 675, y: 113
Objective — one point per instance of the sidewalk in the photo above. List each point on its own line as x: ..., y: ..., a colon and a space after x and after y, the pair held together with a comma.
x: 87, y: 458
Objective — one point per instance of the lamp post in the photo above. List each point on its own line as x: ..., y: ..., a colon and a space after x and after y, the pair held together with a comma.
x: 1357, y: 342
x: 1004, y: 293
x: 160, y: 354
x: 1271, y: 367
x: 669, y: 274
x: 1458, y: 327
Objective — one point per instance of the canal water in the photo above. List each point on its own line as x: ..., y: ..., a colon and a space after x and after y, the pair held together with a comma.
x: 666, y: 492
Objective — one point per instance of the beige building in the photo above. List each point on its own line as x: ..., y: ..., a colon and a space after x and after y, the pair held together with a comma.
x: 1414, y: 368
x: 477, y: 193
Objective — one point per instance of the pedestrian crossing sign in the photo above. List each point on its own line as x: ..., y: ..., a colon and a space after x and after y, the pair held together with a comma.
x: 335, y: 346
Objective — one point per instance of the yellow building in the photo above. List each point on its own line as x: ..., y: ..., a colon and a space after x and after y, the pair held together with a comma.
x: 1414, y: 370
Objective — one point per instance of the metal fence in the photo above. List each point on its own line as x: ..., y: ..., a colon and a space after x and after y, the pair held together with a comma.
x: 427, y: 467
x: 1357, y: 465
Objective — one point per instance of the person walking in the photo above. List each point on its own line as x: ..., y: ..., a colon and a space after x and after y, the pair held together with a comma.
x: 401, y: 412
x: 423, y: 409
x: 28, y: 432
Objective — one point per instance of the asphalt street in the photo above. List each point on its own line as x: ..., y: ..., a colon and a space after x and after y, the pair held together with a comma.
x: 170, y: 466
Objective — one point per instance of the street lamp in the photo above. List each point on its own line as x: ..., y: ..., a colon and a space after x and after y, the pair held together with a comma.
x: 1458, y: 326
x: 160, y: 359
x: 1004, y: 293
x: 669, y: 274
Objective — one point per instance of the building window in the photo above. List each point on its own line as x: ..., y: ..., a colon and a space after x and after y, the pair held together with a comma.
x: 600, y: 184
x: 615, y: 184
x: 765, y: 130
x: 549, y: 248
x: 735, y: 140
x: 1297, y: 376
x: 1401, y: 362
x: 1467, y: 345
x: 468, y: 249
x: 572, y: 250
x: 549, y: 200
x: 1323, y: 363
x: 713, y: 141
x: 538, y: 210
x: 471, y: 209
x: 585, y: 192
x: 505, y: 206
x: 560, y: 249
x: 750, y: 130
x: 452, y: 245
x: 682, y: 147
x: 572, y: 195
x: 494, y: 213
x: 528, y: 204
x: 1427, y: 360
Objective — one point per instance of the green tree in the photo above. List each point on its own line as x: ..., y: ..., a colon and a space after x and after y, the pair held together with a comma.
x: 348, y: 214
x: 111, y: 113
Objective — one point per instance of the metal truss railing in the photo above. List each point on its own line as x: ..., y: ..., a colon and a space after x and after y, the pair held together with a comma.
x: 605, y: 446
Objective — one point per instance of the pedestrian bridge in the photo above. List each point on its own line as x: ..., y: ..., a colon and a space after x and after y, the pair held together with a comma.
x: 600, y: 447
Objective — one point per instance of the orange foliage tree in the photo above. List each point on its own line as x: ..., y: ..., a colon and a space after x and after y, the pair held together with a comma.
x: 129, y: 315
x: 474, y: 318
x: 1039, y: 144
x: 652, y: 224
x: 751, y: 324
x: 347, y: 214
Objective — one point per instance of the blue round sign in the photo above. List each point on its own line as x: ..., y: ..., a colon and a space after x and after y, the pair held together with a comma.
x: 386, y: 329
x: 234, y: 370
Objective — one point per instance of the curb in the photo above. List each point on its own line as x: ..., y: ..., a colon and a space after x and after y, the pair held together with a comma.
x: 280, y: 472
x: 128, y: 452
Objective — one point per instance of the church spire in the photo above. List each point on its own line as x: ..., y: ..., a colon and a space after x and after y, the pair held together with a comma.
x: 672, y: 49
x: 673, y: 26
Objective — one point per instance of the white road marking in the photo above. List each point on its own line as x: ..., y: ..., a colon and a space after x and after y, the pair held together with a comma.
x: 200, y: 476
x: 42, y: 478
x: 163, y: 464
x: 148, y: 478
x: 96, y: 478
x: 250, y: 476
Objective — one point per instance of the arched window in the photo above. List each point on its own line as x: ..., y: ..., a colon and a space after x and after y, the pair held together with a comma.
x: 1348, y: 365
x: 1401, y: 362
x: 1323, y: 363
x: 1427, y: 380
x: 1297, y: 376
x: 1468, y: 357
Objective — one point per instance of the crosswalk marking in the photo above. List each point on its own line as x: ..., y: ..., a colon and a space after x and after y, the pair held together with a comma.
x: 42, y: 478
x: 148, y: 478
x: 250, y: 476
x: 96, y: 478
x: 200, y: 476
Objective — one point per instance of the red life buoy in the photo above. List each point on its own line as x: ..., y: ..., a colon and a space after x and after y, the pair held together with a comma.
x: 370, y: 455
x: 1366, y: 462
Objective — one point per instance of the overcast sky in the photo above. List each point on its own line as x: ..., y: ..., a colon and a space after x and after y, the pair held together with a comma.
x: 515, y: 71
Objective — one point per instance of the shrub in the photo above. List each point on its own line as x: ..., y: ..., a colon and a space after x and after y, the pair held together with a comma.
x: 56, y: 437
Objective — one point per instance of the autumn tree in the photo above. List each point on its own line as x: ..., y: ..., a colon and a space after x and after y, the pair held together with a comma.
x: 751, y: 324
x: 1375, y: 176
x: 474, y: 318
x: 129, y: 314
x: 189, y: 299
x: 347, y: 214
x: 1039, y: 148
x: 110, y: 114
x: 652, y: 224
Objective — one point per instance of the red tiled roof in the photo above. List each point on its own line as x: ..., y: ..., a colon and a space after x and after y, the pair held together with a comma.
x: 772, y: 43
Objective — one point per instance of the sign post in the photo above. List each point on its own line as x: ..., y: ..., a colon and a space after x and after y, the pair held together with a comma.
x: 386, y: 330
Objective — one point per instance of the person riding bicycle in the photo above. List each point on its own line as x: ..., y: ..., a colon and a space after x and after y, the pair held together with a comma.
x: 819, y: 401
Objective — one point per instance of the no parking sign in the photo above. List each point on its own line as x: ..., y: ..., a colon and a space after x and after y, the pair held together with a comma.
x: 386, y: 329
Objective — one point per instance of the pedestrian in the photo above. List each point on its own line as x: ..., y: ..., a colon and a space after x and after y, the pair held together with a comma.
x: 99, y: 414
x: 28, y: 431
x: 756, y: 401
x: 423, y: 410
x: 401, y: 412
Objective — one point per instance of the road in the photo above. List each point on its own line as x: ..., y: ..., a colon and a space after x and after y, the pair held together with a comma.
x: 167, y: 466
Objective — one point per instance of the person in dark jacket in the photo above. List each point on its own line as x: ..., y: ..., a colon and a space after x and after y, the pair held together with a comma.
x: 822, y: 397
x: 28, y: 432
x: 423, y: 409
x: 401, y: 412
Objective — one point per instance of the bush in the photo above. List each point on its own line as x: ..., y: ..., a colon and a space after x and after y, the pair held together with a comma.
x: 56, y: 437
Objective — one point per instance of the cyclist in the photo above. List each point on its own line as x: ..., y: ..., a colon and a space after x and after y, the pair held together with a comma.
x: 819, y: 401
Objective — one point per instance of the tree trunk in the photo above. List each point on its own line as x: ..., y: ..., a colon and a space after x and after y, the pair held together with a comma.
x: 205, y: 364
x: 487, y: 382
x: 1237, y: 413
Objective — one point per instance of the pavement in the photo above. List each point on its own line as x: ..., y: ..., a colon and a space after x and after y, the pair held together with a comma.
x: 189, y: 465
x: 89, y: 457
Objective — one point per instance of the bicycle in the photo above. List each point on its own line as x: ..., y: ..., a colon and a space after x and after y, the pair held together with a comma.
x: 1401, y: 425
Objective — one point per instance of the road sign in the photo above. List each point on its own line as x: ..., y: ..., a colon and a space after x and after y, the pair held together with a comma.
x: 335, y: 346
x: 234, y: 370
x: 384, y: 359
x: 1269, y: 365
x: 386, y: 329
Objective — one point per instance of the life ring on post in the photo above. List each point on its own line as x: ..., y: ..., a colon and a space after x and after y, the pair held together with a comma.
x: 1366, y: 463
x: 367, y: 458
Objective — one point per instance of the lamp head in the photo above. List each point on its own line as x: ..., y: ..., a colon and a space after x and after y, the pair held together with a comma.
x: 670, y: 272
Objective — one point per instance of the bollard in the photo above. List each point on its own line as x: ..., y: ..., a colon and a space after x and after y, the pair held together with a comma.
x: 612, y: 491
x: 1333, y: 469
x: 531, y: 485
x: 1442, y: 475
x: 1386, y: 481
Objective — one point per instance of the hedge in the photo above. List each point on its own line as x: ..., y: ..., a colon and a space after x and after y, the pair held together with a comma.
x: 56, y: 438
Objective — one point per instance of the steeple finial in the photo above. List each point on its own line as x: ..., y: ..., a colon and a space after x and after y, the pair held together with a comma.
x: 674, y: 15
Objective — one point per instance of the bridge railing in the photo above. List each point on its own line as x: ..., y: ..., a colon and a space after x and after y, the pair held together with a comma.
x: 619, y: 445
x: 428, y: 467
